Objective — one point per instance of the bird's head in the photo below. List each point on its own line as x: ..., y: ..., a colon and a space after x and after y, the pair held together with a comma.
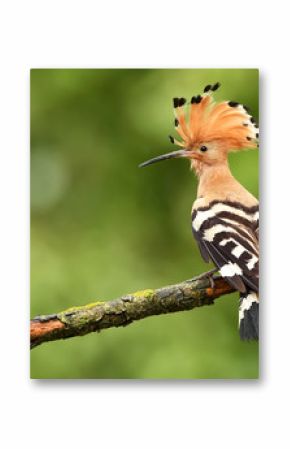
x: 211, y: 130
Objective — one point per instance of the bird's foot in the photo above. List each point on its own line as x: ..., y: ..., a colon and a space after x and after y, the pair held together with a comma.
x: 208, y: 275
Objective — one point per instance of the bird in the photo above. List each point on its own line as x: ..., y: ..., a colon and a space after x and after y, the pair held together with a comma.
x: 225, y: 215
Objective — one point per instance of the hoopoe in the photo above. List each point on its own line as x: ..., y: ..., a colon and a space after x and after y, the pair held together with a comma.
x: 225, y: 216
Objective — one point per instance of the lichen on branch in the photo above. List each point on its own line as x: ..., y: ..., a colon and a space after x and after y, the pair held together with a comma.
x: 94, y: 317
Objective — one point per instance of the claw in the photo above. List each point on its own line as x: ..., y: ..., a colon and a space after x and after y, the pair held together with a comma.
x: 208, y: 275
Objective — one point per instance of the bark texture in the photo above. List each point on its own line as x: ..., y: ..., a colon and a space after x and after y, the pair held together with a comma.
x: 122, y: 311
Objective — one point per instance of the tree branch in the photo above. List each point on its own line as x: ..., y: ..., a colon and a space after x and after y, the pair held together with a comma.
x: 100, y: 315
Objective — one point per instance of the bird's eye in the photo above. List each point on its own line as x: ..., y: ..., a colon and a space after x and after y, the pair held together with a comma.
x: 203, y: 148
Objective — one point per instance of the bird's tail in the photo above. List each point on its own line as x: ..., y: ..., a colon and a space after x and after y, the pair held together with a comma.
x: 249, y: 316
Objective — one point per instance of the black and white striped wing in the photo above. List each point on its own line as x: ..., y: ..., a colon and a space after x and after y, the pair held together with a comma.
x: 226, y: 233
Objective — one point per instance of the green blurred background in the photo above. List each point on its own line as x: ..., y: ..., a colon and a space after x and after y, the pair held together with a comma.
x: 102, y: 227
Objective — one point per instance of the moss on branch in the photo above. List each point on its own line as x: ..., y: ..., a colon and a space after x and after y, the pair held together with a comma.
x: 94, y: 317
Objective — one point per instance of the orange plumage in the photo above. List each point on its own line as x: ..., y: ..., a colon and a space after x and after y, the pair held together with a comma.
x: 227, y: 123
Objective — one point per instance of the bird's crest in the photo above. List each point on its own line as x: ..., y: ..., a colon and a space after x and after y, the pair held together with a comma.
x: 227, y: 122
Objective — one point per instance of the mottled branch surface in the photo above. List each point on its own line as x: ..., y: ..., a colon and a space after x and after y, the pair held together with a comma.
x: 100, y: 315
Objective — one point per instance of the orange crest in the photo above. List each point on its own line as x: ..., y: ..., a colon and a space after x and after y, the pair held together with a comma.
x: 227, y: 122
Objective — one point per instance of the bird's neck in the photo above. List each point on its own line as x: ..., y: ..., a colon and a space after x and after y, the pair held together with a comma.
x: 216, y: 179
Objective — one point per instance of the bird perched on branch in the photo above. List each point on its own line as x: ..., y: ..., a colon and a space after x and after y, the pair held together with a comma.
x: 225, y: 218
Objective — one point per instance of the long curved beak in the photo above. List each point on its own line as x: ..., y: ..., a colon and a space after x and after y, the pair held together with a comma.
x: 163, y: 157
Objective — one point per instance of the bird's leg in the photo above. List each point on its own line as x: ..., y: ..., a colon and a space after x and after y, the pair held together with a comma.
x: 208, y: 275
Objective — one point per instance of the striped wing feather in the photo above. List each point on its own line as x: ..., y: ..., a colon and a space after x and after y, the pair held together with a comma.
x: 230, y: 241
